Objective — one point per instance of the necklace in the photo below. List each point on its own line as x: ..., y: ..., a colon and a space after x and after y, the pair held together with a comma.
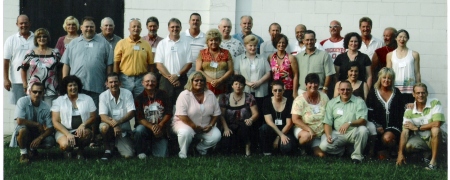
x: 236, y: 101
x: 281, y: 56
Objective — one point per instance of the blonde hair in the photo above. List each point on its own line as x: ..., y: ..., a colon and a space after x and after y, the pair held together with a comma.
x: 71, y: 19
x: 188, y: 85
x: 250, y: 39
x: 385, y: 72
x: 213, y: 34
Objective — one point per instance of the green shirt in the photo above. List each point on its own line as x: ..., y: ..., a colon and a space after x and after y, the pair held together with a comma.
x: 319, y: 62
x: 338, y: 112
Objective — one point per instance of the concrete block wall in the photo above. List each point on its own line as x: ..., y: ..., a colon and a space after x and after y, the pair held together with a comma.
x: 425, y: 20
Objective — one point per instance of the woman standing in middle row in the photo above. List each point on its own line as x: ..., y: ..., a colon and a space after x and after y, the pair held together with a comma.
x: 284, y: 66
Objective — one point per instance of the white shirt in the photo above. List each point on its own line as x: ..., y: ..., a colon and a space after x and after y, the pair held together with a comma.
x: 16, y: 47
x: 267, y: 49
x: 63, y: 105
x: 174, y: 54
x: 107, y: 105
x: 197, y: 43
x: 333, y: 48
x: 374, y: 44
x: 294, y: 48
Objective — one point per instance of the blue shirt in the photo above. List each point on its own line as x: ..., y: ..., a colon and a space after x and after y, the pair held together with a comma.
x: 240, y: 37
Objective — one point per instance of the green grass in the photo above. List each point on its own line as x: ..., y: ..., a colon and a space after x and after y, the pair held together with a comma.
x: 51, y: 165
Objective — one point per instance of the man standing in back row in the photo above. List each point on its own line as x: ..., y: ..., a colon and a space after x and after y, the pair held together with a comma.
x: 16, y: 46
x: 369, y: 43
x: 173, y: 60
x: 133, y: 58
x: 246, y: 26
x: 107, y: 26
x: 195, y: 37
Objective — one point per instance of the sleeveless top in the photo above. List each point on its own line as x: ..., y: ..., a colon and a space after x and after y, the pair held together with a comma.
x: 359, y: 91
x: 404, y: 72
x: 285, y: 67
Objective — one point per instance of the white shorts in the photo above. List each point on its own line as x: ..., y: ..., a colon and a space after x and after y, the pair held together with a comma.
x: 315, y: 141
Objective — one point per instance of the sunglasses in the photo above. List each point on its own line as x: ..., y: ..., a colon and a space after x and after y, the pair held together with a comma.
x: 37, y: 37
x: 137, y: 19
x: 37, y: 92
x: 277, y: 90
x: 335, y: 26
x: 199, y: 80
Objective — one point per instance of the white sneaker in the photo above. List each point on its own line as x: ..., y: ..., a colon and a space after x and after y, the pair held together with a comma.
x: 267, y: 154
x: 142, y: 156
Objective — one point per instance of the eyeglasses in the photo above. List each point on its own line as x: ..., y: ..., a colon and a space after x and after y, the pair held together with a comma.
x: 45, y: 37
x: 277, y: 90
x: 37, y: 92
x: 335, y: 26
x: 137, y: 19
x: 199, y: 80
x: 343, y: 89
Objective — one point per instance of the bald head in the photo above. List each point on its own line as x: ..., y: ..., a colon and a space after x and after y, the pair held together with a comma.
x: 135, y: 29
x: 335, y: 29
x: 300, y: 32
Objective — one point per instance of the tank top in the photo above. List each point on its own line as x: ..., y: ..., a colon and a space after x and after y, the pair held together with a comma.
x: 404, y: 72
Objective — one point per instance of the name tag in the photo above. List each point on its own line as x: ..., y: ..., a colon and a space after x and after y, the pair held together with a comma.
x: 316, y: 109
x: 214, y: 64
x: 340, y: 112
x: 24, y: 46
x: 173, y: 49
x: 65, y: 45
x: 116, y: 112
x: 136, y: 47
x: 153, y: 49
x: 253, y: 67
x: 278, y: 122
x: 153, y: 108
x: 90, y: 45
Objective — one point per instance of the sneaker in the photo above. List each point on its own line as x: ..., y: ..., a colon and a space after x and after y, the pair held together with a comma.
x: 431, y: 167
x: 356, y: 161
x: 106, y: 156
x: 67, y: 155
x: 33, y: 153
x: 24, y: 159
x: 142, y: 156
x: 267, y: 154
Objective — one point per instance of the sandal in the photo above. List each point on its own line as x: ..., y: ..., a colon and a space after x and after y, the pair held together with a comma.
x: 431, y: 167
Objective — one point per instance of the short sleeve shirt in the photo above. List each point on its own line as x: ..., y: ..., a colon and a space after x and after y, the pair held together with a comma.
x: 200, y: 114
x: 431, y: 113
x: 312, y: 116
x: 15, y: 49
x: 319, y: 62
x: 153, y: 109
x: 116, y: 110
x: 174, y: 54
x: 268, y: 109
x: 338, y: 112
x: 24, y: 110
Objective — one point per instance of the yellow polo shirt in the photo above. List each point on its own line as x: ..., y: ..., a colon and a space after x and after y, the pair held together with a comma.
x: 134, y: 57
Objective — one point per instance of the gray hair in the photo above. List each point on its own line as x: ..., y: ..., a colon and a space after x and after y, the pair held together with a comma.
x: 105, y: 19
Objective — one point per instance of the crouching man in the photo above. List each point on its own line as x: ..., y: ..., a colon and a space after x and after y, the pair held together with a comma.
x: 116, y: 108
x: 347, y: 114
x: 421, y: 127
x: 153, y: 112
x: 34, y: 124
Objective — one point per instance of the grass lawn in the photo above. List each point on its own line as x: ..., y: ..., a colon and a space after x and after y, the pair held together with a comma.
x: 51, y: 165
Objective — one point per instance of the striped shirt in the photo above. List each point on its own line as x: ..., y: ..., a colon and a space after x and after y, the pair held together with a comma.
x: 431, y: 113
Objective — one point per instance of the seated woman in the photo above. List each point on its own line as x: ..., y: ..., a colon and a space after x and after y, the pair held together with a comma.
x: 360, y: 88
x: 195, y: 117
x: 385, y: 104
x: 308, y: 112
x: 277, y: 113
x: 239, y: 112
x: 72, y: 115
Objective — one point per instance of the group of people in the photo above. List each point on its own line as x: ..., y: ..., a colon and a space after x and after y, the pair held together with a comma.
x: 216, y: 87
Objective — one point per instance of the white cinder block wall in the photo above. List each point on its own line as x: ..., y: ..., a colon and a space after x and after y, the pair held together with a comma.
x: 425, y: 20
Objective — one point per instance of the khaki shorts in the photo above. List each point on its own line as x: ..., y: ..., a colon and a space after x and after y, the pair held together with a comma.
x: 315, y: 142
x: 417, y: 143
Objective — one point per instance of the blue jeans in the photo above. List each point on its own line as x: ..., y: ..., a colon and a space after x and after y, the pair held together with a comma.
x: 158, y: 145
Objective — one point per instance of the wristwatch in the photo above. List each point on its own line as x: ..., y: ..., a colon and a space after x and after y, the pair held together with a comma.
x: 350, y: 123
x: 324, y: 88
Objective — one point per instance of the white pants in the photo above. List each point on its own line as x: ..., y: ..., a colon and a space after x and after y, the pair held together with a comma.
x: 185, y: 135
x: 357, y: 136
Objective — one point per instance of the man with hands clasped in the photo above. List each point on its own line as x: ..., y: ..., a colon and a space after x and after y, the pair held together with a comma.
x: 347, y: 115
x: 116, y: 108
x: 421, y: 127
